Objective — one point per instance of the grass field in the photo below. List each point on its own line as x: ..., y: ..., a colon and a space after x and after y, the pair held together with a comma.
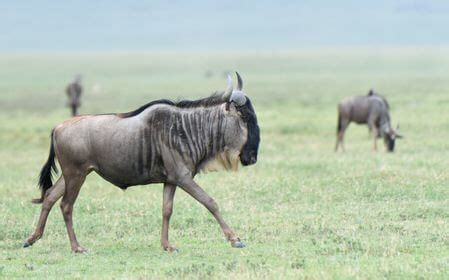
x: 303, y: 210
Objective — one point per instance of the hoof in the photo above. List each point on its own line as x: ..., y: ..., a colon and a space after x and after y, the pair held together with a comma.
x: 238, y: 244
x: 80, y: 250
x: 26, y: 244
x: 171, y: 249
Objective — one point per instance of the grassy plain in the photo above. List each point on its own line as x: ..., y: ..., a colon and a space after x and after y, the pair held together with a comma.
x: 303, y: 210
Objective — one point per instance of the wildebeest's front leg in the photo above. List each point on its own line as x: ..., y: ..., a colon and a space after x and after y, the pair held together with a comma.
x: 192, y: 188
x: 51, y: 196
x: 167, y: 209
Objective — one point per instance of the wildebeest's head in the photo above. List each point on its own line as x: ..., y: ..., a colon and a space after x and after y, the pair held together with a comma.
x: 244, y: 107
x: 390, y: 136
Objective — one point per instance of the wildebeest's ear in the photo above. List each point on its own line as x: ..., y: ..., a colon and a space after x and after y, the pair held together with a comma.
x: 399, y: 136
x: 239, y: 81
x: 238, y: 97
x: 228, y: 91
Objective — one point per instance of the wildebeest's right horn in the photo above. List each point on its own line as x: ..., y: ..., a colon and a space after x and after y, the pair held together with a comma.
x: 239, y: 81
x: 229, y: 88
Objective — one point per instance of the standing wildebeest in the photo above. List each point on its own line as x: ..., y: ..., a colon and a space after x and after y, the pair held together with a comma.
x: 161, y: 142
x: 73, y: 91
x: 371, y: 109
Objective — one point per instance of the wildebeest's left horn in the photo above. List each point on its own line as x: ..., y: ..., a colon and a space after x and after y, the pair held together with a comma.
x: 239, y: 81
x: 229, y: 88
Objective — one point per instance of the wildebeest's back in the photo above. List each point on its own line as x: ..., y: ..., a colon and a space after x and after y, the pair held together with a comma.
x: 360, y: 109
x: 115, y: 148
x: 355, y: 108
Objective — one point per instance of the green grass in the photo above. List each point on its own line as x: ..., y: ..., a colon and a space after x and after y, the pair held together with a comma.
x: 303, y: 210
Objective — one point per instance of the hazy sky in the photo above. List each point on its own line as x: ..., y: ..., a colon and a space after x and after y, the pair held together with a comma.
x: 208, y: 25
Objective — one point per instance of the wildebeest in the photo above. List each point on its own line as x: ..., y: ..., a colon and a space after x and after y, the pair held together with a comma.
x: 74, y: 91
x: 371, y: 109
x: 161, y: 142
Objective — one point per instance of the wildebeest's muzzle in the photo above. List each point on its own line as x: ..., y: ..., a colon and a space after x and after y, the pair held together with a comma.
x: 390, y: 145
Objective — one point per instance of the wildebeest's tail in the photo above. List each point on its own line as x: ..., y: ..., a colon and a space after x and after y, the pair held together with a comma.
x: 45, y: 177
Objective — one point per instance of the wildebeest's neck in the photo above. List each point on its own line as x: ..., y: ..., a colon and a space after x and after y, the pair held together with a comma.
x: 385, y: 124
x: 198, y: 135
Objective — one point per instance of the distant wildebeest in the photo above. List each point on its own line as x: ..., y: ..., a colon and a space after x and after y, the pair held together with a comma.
x: 371, y: 109
x: 161, y: 142
x: 73, y: 91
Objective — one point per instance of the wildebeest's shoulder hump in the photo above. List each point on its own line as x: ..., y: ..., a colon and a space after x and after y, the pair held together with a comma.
x: 161, y: 112
x: 376, y: 98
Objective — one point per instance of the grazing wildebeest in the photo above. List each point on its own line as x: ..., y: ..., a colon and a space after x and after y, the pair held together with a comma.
x: 161, y: 142
x: 371, y: 109
x: 73, y: 91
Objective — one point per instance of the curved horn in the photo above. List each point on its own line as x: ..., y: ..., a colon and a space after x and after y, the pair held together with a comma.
x: 229, y: 88
x: 239, y: 81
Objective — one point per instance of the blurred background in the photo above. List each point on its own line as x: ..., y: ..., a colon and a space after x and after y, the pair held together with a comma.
x: 84, y: 25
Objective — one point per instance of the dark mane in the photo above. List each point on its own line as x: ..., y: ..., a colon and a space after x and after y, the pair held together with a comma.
x: 144, y: 107
x: 214, y: 99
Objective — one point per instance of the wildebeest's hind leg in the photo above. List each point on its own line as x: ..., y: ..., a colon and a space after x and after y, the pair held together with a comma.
x: 341, y: 128
x: 201, y: 196
x: 374, y: 132
x: 167, y: 209
x: 51, y: 196
x: 73, y: 180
